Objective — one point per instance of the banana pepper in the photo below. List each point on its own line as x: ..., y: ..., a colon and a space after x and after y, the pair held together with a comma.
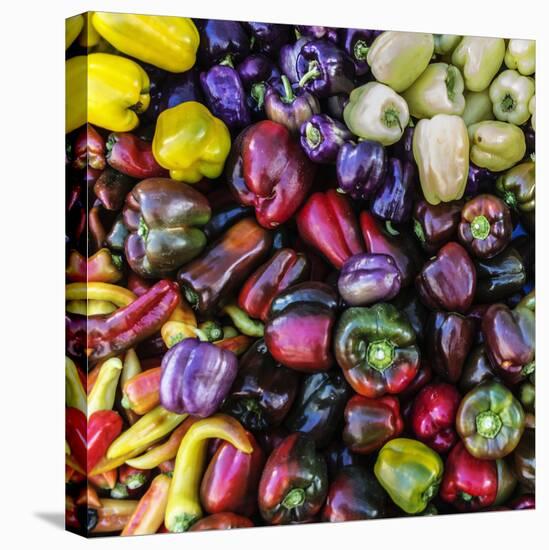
x: 169, y: 43
x: 103, y: 393
x: 190, y: 142
x: 521, y: 55
x: 441, y: 151
x: 75, y: 395
x: 89, y: 37
x: 510, y: 93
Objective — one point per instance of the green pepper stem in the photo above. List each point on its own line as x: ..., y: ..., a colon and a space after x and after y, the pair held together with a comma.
x: 142, y: 228
x: 418, y: 230
x: 125, y: 402
x: 390, y: 229
x: 488, y: 424
x: 191, y: 296
x: 360, y: 51
x: 212, y: 331
x: 296, y: 497
x: 529, y: 368
x: 451, y: 82
x: 289, y: 95
x: 480, y: 227
x: 313, y: 136
x: 510, y: 199
x: 227, y: 61
x: 136, y: 480
x: 119, y: 491
x: 380, y: 354
x: 391, y: 118
x: 183, y: 522
x: 466, y: 497
x: 312, y: 72
x: 258, y: 93
x: 110, y: 144
x: 508, y: 103
x: 430, y: 492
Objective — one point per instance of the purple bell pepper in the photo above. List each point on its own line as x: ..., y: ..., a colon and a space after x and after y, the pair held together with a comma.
x: 178, y: 88
x: 361, y: 168
x: 479, y: 180
x: 402, y: 149
x: 287, y: 58
x: 334, y: 105
x: 324, y: 69
x: 369, y: 278
x: 394, y: 199
x: 255, y: 69
x: 312, y: 31
x: 225, y: 96
x: 268, y: 38
x: 322, y: 137
x: 196, y: 377
x: 220, y: 40
x: 356, y: 43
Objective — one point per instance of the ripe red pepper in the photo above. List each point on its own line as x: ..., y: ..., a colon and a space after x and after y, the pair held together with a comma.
x: 221, y: 521
x: 469, y: 483
x: 76, y: 435
x: 101, y: 267
x: 267, y: 169
x: 103, y: 428
x: 328, y: 223
x: 285, y: 268
x: 231, y: 479
x: 89, y: 149
x: 434, y: 416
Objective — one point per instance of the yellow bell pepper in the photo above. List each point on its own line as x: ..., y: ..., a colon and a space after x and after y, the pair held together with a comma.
x: 190, y: 142
x: 166, y: 42
x: 89, y: 37
x: 73, y: 26
x: 76, y: 78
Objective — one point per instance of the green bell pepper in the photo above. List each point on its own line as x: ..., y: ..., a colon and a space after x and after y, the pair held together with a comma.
x: 521, y: 55
x: 479, y: 60
x: 532, y: 109
x: 410, y: 472
x: 439, y: 89
x: 490, y: 421
x: 445, y: 44
x: 496, y: 145
x: 478, y: 107
x: 511, y: 93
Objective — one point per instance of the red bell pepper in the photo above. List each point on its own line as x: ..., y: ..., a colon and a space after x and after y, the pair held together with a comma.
x: 101, y: 267
x: 284, y: 269
x: 76, y: 434
x: 89, y: 149
x: 328, y: 223
x: 267, y: 169
x: 103, y: 428
x: 221, y: 521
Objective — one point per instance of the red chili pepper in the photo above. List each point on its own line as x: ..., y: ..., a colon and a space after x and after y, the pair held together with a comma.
x: 103, y: 428
x: 89, y: 149
x: 75, y: 434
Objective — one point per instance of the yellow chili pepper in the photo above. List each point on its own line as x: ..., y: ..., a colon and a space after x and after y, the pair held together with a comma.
x: 118, y: 295
x: 106, y: 465
x: 103, y: 392
x: 131, y: 368
x: 190, y: 142
x: 73, y: 26
x: 75, y: 395
x: 184, y: 313
x: 173, y: 332
x: 89, y: 37
x: 183, y: 507
x: 114, y: 515
x: 90, y: 307
x: 166, y: 42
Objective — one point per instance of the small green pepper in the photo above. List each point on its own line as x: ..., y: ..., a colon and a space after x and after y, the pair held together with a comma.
x: 478, y: 107
x: 511, y: 93
x: 521, y: 55
x: 445, y: 44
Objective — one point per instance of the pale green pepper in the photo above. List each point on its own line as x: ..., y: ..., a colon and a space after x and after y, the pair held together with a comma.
x: 376, y: 112
x: 532, y: 109
x: 445, y: 44
x: 510, y: 93
x: 439, y: 89
x: 398, y: 58
x: 441, y: 151
x: 479, y: 60
x: 478, y: 107
x: 521, y: 55
x: 496, y: 145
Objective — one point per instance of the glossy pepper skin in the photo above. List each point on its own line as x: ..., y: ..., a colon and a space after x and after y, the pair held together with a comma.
x: 328, y: 223
x: 490, y: 421
x: 524, y: 460
x: 318, y: 408
x: 299, y: 328
x: 410, y: 472
x: 89, y: 149
x: 287, y: 57
x: 294, y: 482
x: 222, y: 521
x: 99, y: 267
x: 269, y: 171
x: 510, y: 93
x: 169, y: 43
x: 224, y: 218
x: 356, y: 42
x: 269, y: 37
x: 263, y: 391
x: 76, y: 435
x: 361, y: 168
x: 257, y: 69
x: 370, y: 423
x: 104, y: 427
x: 376, y: 349
x: 190, y: 142
x: 468, y: 483
x: 434, y: 415
x: 448, y: 281
x: 322, y: 137
x: 284, y: 269
x: 220, y: 40
x: 224, y: 265
x: 323, y: 69
x: 165, y: 220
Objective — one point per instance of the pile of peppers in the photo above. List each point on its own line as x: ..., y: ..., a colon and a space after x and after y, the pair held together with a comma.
x: 300, y: 274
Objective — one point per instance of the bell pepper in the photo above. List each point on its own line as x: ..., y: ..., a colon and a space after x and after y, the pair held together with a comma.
x: 524, y: 460
x: 269, y: 171
x: 376, y: 349
x: 89, y: 149
x: 224, y: 218
x: 100, y: 267
x: 103, y: 428
x: 183, y: 507
x: 490, y: 421
x: 174, y: 90
x: 476, y: 370
x: 315, y: 31
x: 73, y: 26
x: 221, y: 40
x: 450, y: 337
x: 299, y: 328
x: 323, y: 69
x: 111, y: 188
x: 410, y: 472
x: 478, y: 107
x: 370, y: 423
x: 328, y: 223
x: 445, y: 44
x: 221, y: 521
x: 76, y: 435
x: 376, y: 112
x: 103, y: 393
x: 285, y: 268
x: 322, y: 138
x: 318, y: 408
x: 113, y: 516
x: 439, y: 89
x: 169, y: 43
x: 517, y: 187
x: 361, y: 168
x: 365, y: 279
x: 468, y: 483
x: 532, y: 109
x: 75, y: 395
x: 190, y: 142
x: 510, y: 93
x: 436, y: 225
x: 263, y: 391
x: 479, y: 59
x: 355, y: 494
x: 338, y: 457
x: 521, y: 55
x: 441, y: 151
x: 224, y: 265
x: 141, y: 393
x: 496, y: 145
x: 357, y: 42
x: 196, y: 377
x: 449, y: 280
x: 287, y: 57
x: 434, y: 415
x: 164, y: 218
x: 294, y: 482
x: 398, y: 58
x: 231, y: 479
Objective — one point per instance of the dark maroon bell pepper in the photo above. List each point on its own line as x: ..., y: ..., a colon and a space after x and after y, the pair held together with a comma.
x: 111, y: 188
x: 436, y: 224
x: 88, y: 149
x: 434, y: 416
x: 268, y: 38
x: 322, y: 137
x: 328, y: 223
x: 220, y: 40
x: 356, y: 43
x: 294, y: 482
x: 268, y: 170
x: 298, y: 332
x: 476, y: 370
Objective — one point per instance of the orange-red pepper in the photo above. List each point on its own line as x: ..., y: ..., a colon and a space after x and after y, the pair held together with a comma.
x: 141, y: 393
